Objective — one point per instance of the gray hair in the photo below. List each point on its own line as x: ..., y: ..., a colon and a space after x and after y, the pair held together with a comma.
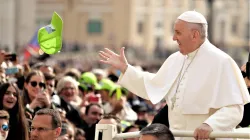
x: 56, y: 119
x: 160, y: 131
x: 66, y: 79
x: 201, y: 27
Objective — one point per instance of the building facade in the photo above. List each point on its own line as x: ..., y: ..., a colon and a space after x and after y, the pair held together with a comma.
x: 140, y: 23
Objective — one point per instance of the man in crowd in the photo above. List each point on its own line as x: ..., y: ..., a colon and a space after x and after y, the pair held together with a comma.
x: 202, y: 85
x: 156, y: 131
x: 4, y: 124
x: 92, y: 116
x: 46, y: 125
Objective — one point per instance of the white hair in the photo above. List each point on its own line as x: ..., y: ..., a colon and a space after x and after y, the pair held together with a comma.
x: 201, y: 27
x: 61, y: 83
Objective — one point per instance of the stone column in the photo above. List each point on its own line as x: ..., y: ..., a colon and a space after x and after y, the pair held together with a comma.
x: 7, y: 19
x: 149, y: 27
x: 26, y: 17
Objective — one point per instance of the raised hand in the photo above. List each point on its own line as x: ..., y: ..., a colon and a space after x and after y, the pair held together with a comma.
x: 117, y: 61
x: 2, y: 56
x: 44, y: 98
x: 247, y: 81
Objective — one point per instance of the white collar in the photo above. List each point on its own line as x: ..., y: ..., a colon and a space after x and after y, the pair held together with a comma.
x: 192, y: 54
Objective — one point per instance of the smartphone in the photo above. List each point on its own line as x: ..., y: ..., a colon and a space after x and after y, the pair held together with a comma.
x: 93, y: 99
x: 11, y: 57
x: 11, y: 70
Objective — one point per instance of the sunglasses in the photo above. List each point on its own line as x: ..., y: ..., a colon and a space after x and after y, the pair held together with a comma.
x: 5, y: 127
x: 34, y: 84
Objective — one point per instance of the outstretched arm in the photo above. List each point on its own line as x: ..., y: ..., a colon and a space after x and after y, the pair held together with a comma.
x: 117, y: 61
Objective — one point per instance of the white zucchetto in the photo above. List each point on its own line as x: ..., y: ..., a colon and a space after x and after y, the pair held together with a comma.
x: 192, y: 17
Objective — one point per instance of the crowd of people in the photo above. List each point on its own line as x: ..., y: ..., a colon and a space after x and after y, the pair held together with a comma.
x: 81, y: 97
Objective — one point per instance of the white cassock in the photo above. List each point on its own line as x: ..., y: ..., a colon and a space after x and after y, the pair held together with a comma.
x: 212, y: 90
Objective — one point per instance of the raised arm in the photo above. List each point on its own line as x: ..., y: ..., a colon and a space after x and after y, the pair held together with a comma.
x: 117, y: 61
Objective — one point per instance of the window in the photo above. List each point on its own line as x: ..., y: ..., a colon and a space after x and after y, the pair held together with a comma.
x: 222, y: 32
x: 248, y: 31
x: 159, y: 41
x: 172, y: 27
x: 234, y: 29
x: 94, y: 26
x: 159, y: 25
x: 140, y: 27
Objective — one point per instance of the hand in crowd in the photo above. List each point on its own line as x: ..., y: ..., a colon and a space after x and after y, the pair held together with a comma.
x: 247, y: 81
x: 202, y: 132
x: 42, y: 100
x: 117, y: 61
x: 2, y: 56
x: 117, y: 107
x: 45, y: 98
x: 26, y: 69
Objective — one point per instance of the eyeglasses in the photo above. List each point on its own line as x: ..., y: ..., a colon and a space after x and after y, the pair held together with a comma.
x: 5, y: 127
x: 68, y: 88
x: 11, y: 93
x: 34, y: 84
x: 40, y: 129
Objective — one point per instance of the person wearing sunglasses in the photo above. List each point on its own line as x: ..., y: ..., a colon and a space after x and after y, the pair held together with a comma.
x: 4, y: 124
x: 11, y: 102
x: 35, y: 95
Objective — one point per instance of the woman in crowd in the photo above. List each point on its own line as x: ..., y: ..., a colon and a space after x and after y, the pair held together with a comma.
x: 68, y: 131
x: 67, y: 90
x: 79, y: 134
x: 35, y: 95
x: 11, y: 102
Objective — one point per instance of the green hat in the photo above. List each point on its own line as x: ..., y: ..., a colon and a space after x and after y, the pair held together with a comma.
x: 88, y: 78
x: 83, y: 86
x: 119, y: 91
x: 50, y: 36
x: 107, y: 84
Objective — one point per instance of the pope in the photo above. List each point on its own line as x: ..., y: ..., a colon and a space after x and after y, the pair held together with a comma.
x: 202, y: 85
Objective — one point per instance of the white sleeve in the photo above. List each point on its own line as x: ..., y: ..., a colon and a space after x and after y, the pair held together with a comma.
x: 133, y: 80
x: 226, y: 118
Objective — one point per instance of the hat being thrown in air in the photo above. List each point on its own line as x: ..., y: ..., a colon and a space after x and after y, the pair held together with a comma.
x: 193, y: 17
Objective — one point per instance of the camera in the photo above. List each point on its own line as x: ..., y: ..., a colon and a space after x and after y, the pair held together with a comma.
x: 11, y: 70
x: 11, y: 57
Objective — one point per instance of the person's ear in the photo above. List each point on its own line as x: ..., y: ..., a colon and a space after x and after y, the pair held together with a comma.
x: 25, y: 85
x: 196, y: 34
x: 58, y: 131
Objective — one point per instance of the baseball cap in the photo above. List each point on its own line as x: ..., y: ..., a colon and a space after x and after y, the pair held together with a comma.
x: 89, y: 78
x: 119, y: 91
x: 106, y: 84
